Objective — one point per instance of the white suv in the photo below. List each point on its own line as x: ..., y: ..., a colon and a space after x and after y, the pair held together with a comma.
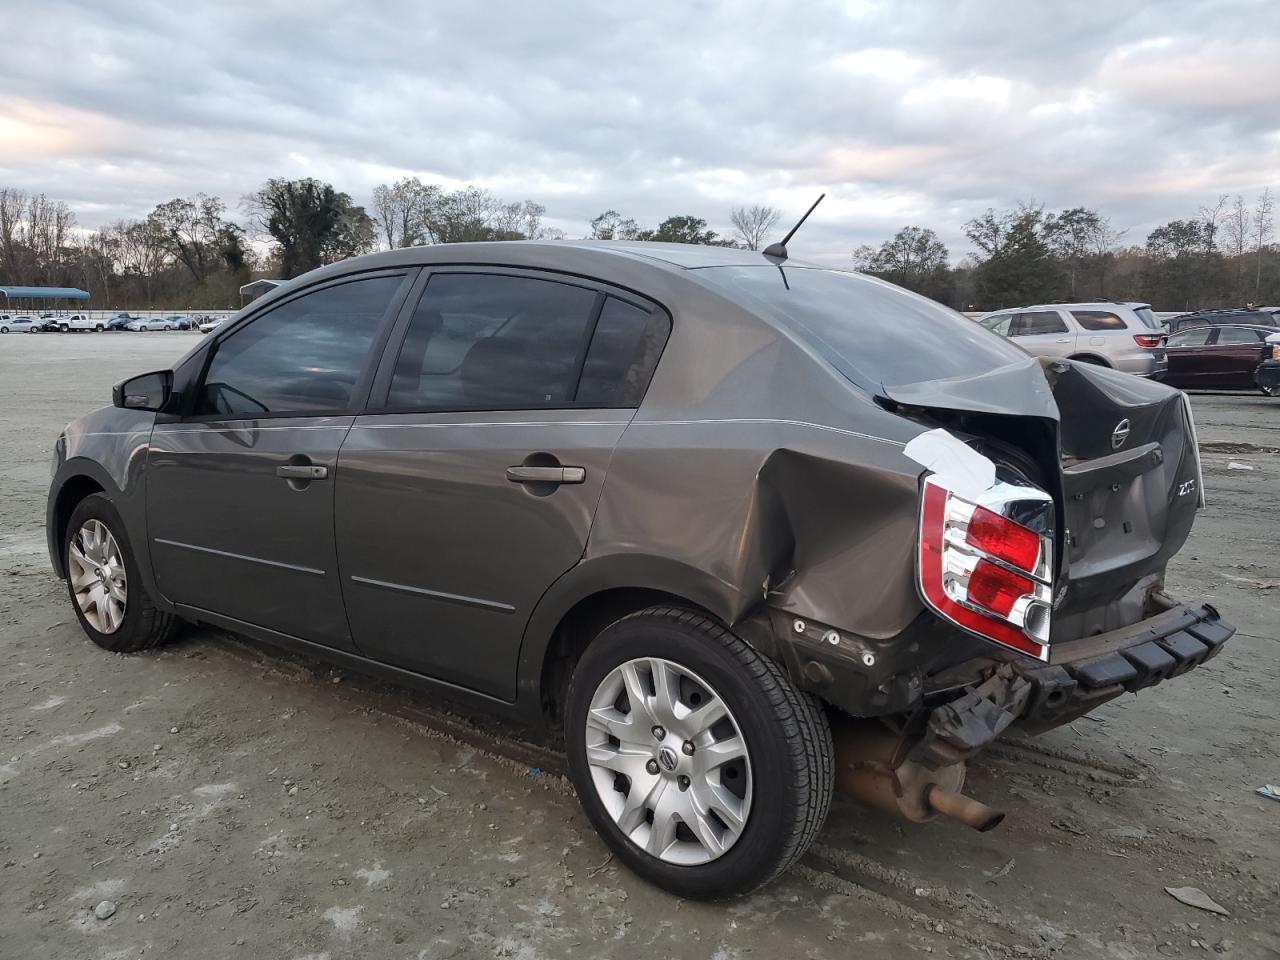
x: 1126, y: 336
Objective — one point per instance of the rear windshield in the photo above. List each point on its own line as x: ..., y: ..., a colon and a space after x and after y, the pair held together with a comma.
x: 871, y: 331
x: 1146, y: 316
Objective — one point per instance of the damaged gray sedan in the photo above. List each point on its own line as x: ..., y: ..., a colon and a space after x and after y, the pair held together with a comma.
x: 739, y: 531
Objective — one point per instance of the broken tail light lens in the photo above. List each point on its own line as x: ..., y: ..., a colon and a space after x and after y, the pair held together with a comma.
x: 1148, y: 339
x: 983, y: 571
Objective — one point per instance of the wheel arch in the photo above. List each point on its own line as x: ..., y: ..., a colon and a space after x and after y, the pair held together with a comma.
x: 587, y: 599
x: 1093, y: 358
x: 79, y: 479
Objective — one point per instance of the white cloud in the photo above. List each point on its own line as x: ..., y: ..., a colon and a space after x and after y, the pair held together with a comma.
x: 903, y: 113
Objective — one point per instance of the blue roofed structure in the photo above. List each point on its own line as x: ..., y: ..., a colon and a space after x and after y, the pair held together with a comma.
x: 43, y: 293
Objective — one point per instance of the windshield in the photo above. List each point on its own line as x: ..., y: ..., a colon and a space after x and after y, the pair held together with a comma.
x: 872, y: 332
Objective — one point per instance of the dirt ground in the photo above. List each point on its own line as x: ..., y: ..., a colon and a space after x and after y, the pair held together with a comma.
x: 233, y: 801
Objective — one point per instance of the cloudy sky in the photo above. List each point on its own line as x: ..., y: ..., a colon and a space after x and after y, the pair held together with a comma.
x: 904, y: 113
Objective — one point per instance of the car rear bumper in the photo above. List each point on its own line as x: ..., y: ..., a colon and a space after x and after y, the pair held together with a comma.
x: 1080, y: 675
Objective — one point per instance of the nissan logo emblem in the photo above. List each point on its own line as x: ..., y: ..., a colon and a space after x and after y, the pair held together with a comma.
x: 1120, y: 434
x: 667, y: 757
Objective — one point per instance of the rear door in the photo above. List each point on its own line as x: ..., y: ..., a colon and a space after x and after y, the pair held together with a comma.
x: 240, y: 488
x: 1043, y: 333
x: 503, y: 395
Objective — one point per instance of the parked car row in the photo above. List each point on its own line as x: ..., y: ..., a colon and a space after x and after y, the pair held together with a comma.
x: 1205, y: 350
x: 1125, y: 336
x: 82, y: 322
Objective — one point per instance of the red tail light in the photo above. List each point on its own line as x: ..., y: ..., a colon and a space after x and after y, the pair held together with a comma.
x: 997, y: 588
x: 984, y: 572
x: 1148, y: 339
x: 1011, y: 542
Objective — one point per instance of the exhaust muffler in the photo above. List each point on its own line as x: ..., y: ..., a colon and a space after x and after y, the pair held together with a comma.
x: 873, y: 766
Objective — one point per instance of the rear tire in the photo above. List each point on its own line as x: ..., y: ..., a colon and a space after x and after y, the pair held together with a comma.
x: 779, y: 739
x: 142, y: 625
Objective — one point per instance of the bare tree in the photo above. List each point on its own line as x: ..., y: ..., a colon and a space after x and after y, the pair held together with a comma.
x: 405, y: 210
x: 1235, y: 229
x: 752, y: 224
x: 1211, y: 216
x: 1263, y: 222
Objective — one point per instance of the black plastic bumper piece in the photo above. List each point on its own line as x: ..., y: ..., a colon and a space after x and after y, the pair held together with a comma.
x: 1093, y: 670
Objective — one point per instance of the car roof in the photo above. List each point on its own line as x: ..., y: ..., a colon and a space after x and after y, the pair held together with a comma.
x: 1090, y: 305
x: 568, y: 254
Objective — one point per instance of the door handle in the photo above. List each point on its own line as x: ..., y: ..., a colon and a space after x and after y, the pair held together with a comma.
x: 1064, y: 339
x: 524, y: 474
x: 297, y: 471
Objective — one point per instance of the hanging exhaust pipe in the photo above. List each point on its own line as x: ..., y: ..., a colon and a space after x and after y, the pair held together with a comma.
x: 872, y: 766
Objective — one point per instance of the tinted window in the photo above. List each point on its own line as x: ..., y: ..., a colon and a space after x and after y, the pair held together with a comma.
x: 1038, y: 322
x: 301, y: 357
x: 870, y: 331
x: 1239, y: 335
x: 490, y: 342
x: 1195, y: 337
x: 1098, y: 320
x: 624, y: 352
x: 998, y: 324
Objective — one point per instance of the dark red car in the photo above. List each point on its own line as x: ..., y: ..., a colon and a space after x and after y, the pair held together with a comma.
x: 1217, y: 357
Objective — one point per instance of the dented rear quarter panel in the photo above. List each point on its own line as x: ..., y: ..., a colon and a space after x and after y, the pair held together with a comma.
x: 754, y: 466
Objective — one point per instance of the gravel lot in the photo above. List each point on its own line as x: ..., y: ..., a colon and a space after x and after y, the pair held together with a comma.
x: 233, y: 801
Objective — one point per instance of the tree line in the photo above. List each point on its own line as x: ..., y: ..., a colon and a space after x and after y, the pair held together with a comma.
x: 190, y: 252
x: 1223, y: 255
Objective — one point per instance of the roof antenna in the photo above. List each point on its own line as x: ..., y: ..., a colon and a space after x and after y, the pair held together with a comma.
x: 778, y: 251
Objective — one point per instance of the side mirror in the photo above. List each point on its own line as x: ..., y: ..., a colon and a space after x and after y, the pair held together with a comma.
x: 147, y: 391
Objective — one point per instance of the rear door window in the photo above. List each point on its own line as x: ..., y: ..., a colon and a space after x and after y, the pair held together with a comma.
x: 625, y: 349
x: 1036, y: 322
x: 493, y: 342
x: 1098, y: 320
x: 1239, y: 335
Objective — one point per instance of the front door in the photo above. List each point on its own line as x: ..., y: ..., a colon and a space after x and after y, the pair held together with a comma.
x: 475, y: 487
x: 240, y: 488
x: 1043, y: 333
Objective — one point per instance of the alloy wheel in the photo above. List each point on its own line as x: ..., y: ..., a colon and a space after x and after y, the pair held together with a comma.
x: 96, y: 568
x: 668, y: 761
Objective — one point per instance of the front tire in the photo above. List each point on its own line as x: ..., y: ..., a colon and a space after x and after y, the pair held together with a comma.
x: 694, y: 757
x: 107, y: 593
